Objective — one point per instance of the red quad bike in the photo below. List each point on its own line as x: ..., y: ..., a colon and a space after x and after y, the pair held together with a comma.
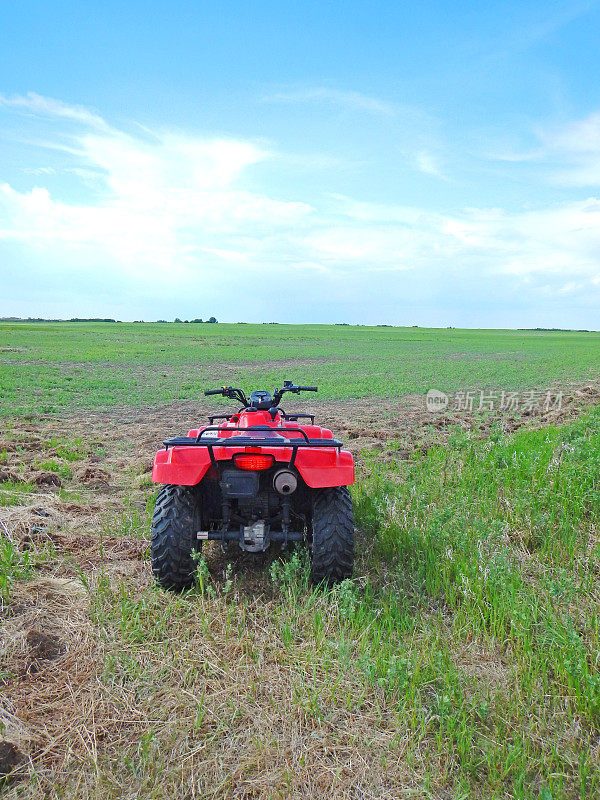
x: 257, y: 478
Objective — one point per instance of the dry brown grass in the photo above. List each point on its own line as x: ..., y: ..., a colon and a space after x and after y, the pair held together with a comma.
x: 160, y: 696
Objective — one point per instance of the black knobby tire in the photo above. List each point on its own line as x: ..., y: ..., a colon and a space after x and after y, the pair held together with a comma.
x: 332, y: 548
x: 176, y: 520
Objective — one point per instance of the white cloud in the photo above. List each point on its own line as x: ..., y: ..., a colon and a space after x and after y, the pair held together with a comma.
x: 580, y: 136
x: 39, y: 170
x: 551, y: 18
x: 573, y: 150
x: 428, y: 163
x: 555, y: 242
x: 161, y: 200
x: 568, y: 153
x: 163, y: 204
x: 46, y: 106
x: 354, y: 101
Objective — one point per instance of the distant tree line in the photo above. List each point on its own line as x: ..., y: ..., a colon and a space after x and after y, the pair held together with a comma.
x: 557, y: 330
x: 45, y: 319
x: 97, y: 319
x: 192, y: 321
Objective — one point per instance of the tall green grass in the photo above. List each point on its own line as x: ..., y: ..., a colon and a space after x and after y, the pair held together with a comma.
x: 501, y: 539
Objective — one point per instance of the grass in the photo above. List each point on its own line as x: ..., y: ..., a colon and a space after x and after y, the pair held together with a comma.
x: 49, y: 367
x: 14, y: 492
x: 53, y: 465
x: 462, y: 661
x: 69, y: 450
x: 14, y: 565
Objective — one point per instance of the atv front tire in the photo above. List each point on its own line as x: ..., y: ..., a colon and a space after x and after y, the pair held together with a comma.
x: 175, y: 523
x: 332, y: 548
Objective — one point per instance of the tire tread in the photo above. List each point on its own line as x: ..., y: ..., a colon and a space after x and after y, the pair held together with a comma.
x: 332, y: 550
x: 175, y: 521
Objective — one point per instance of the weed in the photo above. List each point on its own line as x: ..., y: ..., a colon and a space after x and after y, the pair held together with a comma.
x: 292, y: 573
x: 347, y: 598
x: 228, y: 585
x: 67, y: 449
x: 15, y: 492
x: 58, y: 467
x: 203, y: 583
x: 14, y: 565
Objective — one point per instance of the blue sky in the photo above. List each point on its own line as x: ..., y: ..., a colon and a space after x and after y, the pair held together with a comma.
x: 372, y: 162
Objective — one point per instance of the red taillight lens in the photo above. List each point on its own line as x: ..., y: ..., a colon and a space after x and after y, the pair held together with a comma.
x: 253, y: 461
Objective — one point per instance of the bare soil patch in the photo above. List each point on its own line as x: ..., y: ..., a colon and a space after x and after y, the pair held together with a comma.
x: 10, y: 758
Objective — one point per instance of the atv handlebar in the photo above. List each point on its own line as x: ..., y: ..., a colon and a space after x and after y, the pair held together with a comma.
x: 288, y: 386
x: 230, y: 392
x: 238, y: 394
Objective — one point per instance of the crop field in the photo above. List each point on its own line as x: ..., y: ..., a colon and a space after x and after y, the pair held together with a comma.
x: 52, y: 367
x: 462, y: 660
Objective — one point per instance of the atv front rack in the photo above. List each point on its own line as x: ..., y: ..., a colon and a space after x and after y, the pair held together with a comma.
x: 251, y: 441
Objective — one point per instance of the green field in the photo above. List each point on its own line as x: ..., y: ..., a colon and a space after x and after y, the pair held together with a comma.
x: 49, y: 367
x: 463, y: 660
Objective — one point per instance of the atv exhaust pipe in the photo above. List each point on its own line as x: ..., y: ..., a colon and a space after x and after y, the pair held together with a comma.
x: 285, y: 482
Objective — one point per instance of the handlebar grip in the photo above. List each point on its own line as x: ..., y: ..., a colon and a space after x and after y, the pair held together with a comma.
x: 213, y: 391
x: 308, y: 388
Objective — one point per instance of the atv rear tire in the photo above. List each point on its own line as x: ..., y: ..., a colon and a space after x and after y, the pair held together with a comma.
x: 332, y: 549
x: 176, y: 520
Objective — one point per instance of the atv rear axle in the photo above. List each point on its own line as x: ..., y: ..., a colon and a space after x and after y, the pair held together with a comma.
x: 248, y: 544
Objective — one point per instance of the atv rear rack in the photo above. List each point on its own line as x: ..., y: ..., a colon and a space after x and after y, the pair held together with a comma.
x: 251, y: 441
x: 294, y: 417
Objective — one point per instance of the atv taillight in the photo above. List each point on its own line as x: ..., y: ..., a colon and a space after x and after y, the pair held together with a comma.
x: 253, y: 461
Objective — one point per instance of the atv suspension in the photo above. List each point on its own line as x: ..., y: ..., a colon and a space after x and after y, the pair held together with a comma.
x: 254, y: 536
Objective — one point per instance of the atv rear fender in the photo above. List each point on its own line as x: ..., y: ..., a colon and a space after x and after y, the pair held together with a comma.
x: 319, y: 467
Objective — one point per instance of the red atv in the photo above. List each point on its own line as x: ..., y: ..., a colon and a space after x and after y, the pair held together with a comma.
x: 258, y: 477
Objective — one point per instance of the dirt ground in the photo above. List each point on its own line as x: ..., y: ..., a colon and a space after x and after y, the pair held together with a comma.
x: 89, y: 526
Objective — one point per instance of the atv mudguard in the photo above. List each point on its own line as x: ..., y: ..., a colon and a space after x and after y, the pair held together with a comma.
x: 319, y: 467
